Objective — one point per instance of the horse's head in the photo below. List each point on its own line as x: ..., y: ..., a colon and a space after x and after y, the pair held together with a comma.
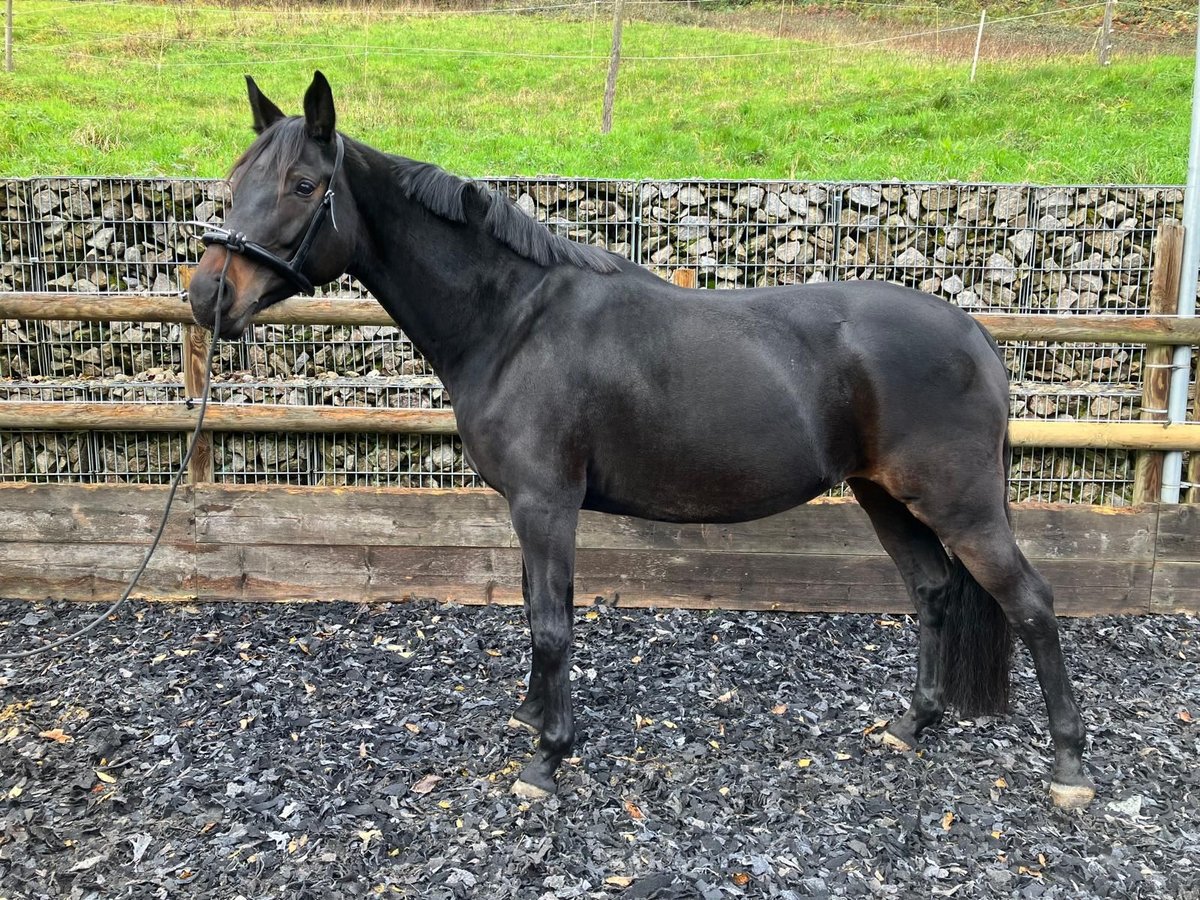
x: 292, y: 223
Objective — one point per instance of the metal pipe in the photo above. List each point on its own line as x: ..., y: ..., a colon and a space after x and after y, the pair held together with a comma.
x: 1181, y: 360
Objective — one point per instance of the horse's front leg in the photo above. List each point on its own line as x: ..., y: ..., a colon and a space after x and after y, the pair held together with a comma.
x: 546, y: 530
x: 529, y: 714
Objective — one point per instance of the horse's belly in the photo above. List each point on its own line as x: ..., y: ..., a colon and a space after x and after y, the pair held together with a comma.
x: 732, y: 484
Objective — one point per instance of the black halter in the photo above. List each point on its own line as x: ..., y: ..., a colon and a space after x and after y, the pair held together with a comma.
x: 236, y: 242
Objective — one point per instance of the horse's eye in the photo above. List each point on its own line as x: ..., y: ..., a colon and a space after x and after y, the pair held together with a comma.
x: 305, y: 188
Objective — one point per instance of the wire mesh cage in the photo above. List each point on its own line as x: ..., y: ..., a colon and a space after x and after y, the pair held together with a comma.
x: 984, y: 247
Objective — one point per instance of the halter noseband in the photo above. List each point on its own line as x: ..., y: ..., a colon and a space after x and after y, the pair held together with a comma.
x: 236, y: 242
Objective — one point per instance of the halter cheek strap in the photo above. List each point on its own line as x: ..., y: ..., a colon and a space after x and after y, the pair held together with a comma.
x: 237, y: 242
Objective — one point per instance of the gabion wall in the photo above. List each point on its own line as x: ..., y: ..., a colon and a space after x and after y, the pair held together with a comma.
x: 984, y: 247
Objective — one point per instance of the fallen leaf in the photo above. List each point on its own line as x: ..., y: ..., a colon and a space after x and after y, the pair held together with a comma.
x: 804, y: 763
x: 57, y: 735
x: 106, y: 778
x: 947, y: 821
x: 633, y: 810
x: 426, y: 784
x: 415, y: 729
x: 1001, y: 783
x: 367, y: 836
x: 779, y: 709
x: 741, y: 879
x: 619, y: 880
x: 492, y: 652
x: 1185, y: 716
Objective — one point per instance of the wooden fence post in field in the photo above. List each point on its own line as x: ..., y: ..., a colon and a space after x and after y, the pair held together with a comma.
x: 1156, y: 360
x: 1106, y: 33
x: 614, y: 63
x: 8, y: 66
x: 195, y: 362
x: 978, y: 41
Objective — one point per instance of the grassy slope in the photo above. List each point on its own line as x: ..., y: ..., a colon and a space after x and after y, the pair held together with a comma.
x: 105, y: 105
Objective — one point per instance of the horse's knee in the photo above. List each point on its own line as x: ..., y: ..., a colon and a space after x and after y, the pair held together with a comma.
x: 930, y: 600
x: 552, y: 638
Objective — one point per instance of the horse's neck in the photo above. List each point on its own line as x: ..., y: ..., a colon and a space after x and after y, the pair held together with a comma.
x: 450, y: 285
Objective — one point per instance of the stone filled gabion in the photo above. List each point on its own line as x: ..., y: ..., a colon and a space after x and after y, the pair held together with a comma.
x: 983, y: 247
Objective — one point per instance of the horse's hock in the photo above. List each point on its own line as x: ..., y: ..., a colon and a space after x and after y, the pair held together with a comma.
x: 1012, y: 249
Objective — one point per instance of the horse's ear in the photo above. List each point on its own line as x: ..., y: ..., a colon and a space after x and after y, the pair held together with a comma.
x: 318, y: 109
x: 264, y: 111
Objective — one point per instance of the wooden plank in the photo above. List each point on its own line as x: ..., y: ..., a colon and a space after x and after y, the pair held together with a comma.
x: 1176, y: 588
x: 19, y: 414
x: 52, y: 416
x: 1178, y: 538
x: 1093, y: 587
x: 691, y: 578
x: 1061, y: 531
x: 1156, y: 361
x: 93, y: 571
x: 1105, y: 435
x: 270, y: 543
x: 344, y: 311
x: 273, y: 572
x: 417, y: 517
x: 478, y: 517
x: 92, y: 513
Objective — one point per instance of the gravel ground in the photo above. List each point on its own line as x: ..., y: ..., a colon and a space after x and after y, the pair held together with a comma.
x: 314, y: 751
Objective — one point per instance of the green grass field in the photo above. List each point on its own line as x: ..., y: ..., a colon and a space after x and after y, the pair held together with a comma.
x: 142, y: 90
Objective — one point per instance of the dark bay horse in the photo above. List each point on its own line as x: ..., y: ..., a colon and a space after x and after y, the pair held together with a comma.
x: 582, y: 381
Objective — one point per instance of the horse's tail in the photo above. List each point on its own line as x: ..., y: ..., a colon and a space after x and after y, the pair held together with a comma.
x: 977, y: 641
x: 976, y: 647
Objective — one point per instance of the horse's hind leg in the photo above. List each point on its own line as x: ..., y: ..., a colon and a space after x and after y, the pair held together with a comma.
x: 926, y: 571
x: 975, y: 528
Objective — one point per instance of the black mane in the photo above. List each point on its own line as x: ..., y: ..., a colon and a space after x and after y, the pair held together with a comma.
x: 443, y: 194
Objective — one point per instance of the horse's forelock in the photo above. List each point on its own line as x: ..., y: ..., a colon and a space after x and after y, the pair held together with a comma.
x: 278, y: 147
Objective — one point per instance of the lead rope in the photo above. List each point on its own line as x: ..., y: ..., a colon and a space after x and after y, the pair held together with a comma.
x: 162, y: 526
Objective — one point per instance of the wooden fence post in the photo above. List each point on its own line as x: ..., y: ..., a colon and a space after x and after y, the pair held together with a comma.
x: 1156, y: 360
x: 614, y: 63
x: 1106, y: 33
x: 8, y: 35
x: 195, y: 362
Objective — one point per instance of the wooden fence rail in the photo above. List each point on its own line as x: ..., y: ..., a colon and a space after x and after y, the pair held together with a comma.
x: 1158, y: 329
x: 258, y: 417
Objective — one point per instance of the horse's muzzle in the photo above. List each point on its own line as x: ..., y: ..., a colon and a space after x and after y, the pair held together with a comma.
x: 238, y: 296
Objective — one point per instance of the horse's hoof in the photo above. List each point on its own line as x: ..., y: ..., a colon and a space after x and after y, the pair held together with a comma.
x: 1071, y: 796
x: 514, y: 722
x: 897, y: 744
x: 527, y: 791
